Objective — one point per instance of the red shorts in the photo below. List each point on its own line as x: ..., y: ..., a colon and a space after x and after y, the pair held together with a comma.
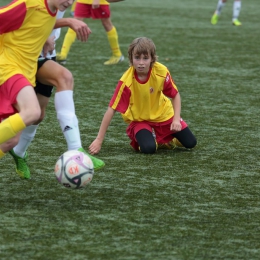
x: 8, y: 93
x: 161, y: 130
x: 86, y: 11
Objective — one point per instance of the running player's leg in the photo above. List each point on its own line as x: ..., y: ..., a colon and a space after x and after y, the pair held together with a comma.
x: 28, y: 105
x: 19, y: 152
x: 18, y: 99
x: 236, y: 12
x: 215, y: 17
x: 52, y: 73
x: 29, y: 132
x: 81, y: 11
x: 103, y: 13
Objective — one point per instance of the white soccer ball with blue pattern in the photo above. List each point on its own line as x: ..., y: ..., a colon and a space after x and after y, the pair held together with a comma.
x: 74, y: 169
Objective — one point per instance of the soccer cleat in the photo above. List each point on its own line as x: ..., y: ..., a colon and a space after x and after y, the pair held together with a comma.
x: 214, y: 18
x: 169, y: 146
x: 61, y: 59
x: 236, y: 22
x: 114, y: 60
x: 22, y: 168
x: 98, y: 164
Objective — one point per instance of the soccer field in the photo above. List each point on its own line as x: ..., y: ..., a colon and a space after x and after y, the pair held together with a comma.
x: 175, y: 205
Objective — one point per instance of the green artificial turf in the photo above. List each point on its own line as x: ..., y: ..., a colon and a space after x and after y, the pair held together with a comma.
x: 200, y: 204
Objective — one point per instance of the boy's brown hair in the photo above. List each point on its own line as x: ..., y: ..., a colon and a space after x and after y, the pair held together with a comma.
x: 142, y: 45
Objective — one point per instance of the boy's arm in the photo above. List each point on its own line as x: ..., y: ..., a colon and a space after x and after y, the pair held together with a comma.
x: 81, y: 29
x: 95, y: 147
x: 176, y: 122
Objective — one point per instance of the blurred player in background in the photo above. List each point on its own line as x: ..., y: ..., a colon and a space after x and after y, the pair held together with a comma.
x: 149, y: 102
x: 236, y: 12
x: 95, y: 9
x: 72, y: 9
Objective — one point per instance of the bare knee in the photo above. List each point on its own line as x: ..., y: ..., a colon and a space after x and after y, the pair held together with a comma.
x: 30, y: 115
x: 28, y: 105
x: 37, y: 122
x: 34, y: 115
x: 65, y: 80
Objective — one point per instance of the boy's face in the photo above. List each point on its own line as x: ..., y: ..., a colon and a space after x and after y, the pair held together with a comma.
x: 142, y: 63
x: 61, y: 5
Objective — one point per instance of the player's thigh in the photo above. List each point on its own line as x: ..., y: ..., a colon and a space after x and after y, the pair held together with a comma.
x: 107, y: 24
x: 53, y: 74
x: 134, y: 127
x: 9, y: 91
x: 26, y: 99
x: 28, y: 105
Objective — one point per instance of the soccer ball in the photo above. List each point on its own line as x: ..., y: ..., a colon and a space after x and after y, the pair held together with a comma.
x: 74, y: 169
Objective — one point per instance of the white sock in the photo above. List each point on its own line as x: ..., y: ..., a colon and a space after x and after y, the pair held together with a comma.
x: 25, y: 140
x: 65, y: 109
x: 219, y: 7
x: 236, y: 9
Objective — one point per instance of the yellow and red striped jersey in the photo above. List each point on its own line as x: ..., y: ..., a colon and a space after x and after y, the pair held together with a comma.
x: 145, y: 101
x: 24, y: 28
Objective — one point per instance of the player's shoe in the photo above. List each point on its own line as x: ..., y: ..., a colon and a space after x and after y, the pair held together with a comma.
x: 174, y: 143
x: 169, y: 146
x: 114, y: 60
x: 98, y: 164
x: 214, y: 18
x: 22, y: 168
x: 236, y: 22
x: 61, y: 59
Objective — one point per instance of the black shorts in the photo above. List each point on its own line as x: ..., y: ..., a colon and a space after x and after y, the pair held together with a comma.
x: 40, y: 88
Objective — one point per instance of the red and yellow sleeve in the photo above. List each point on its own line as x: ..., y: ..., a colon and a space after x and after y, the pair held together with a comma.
x: 169, y: 89
x: 12, y: 16
x: 121, y: 98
